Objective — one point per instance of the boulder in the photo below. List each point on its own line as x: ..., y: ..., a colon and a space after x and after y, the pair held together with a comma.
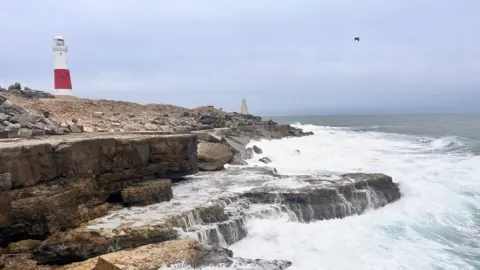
x: 149, y: 192
x: 4, y: 117
x: 24, y: 246
x: 75, y: 128
x: 13, y: 127
x: 150, y: 126
x: 238, y: 160
x: 25, y: 118
x: 265, y: 160
x: 212, y: 156
x: 25, y: 133
x: 257, y: 150
x: 15, y: 86
x: 8, y: 107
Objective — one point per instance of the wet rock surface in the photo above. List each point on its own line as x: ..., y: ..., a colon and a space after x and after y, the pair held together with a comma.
x: 176, y: 253
x: 81, y: 215
x: 148, y: 192
x: 241, y: 263
x: 213, y: 209
x: 212, y: 155
x: 265, y: 160
x: 325, y: 199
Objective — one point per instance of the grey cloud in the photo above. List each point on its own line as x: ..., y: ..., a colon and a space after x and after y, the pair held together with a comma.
x: 283, y: 56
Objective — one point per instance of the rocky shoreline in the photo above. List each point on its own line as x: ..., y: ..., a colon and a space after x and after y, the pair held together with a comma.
x: 154, y: 197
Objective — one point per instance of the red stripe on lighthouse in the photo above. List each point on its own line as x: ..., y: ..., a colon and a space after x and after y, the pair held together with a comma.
x: 62, y: 79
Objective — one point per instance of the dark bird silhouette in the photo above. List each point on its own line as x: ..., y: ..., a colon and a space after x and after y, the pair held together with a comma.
x: 356, y: 39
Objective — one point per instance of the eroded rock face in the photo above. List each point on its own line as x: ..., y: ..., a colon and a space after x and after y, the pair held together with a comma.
x: 24, y: 246
x: 5, y: 200
x: 104, y: 157
x: 220, y: 219
x: 323, y: 199
x: 212, y: 156
x: 149, y: 192
x: 58, y: 184
x: 93, y: 239
x: 154, y: 256
x: 177, y: 252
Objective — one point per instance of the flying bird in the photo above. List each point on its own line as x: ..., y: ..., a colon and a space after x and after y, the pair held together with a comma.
x: 356, y: 39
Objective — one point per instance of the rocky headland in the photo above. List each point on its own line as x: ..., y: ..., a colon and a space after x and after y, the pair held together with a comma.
x: 98, y: 184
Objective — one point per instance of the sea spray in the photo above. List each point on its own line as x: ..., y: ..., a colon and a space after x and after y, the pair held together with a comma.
x: 434, y: 226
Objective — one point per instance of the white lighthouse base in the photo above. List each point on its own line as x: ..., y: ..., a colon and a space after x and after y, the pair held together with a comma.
x: 63, y: 92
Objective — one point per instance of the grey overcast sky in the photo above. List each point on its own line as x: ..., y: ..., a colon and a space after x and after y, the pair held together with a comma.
x: 284, y: 57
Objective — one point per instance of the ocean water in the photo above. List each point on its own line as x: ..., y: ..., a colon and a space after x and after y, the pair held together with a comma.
x: 435, y: 225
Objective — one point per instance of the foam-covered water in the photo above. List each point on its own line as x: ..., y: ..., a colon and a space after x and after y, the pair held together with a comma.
x: 436, y: 224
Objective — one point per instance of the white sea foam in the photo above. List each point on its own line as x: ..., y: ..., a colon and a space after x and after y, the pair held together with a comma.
x: 436, y: 225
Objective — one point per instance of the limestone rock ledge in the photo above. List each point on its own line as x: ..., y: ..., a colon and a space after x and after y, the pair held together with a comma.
x: 323, y: 199
x: 176, y: 252
x: 49, y: 184
x: 185, y: 252
x: 215, y: 216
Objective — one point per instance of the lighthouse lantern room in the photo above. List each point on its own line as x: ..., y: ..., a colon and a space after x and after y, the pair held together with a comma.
x: 62, y: 80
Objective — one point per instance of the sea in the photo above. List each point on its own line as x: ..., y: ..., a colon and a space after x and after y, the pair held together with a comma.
x: 435, y: 225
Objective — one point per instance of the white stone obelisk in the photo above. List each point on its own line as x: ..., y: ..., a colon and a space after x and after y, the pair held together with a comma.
x: 244, y: 107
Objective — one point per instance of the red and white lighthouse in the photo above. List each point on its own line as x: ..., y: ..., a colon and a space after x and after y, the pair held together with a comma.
x: 62, y: 80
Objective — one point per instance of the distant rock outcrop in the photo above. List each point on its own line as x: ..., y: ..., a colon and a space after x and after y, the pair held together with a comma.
x: 17, y: 122
x: 26, y: 92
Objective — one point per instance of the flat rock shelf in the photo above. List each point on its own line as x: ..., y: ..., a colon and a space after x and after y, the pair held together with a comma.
x: 212, y: 208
